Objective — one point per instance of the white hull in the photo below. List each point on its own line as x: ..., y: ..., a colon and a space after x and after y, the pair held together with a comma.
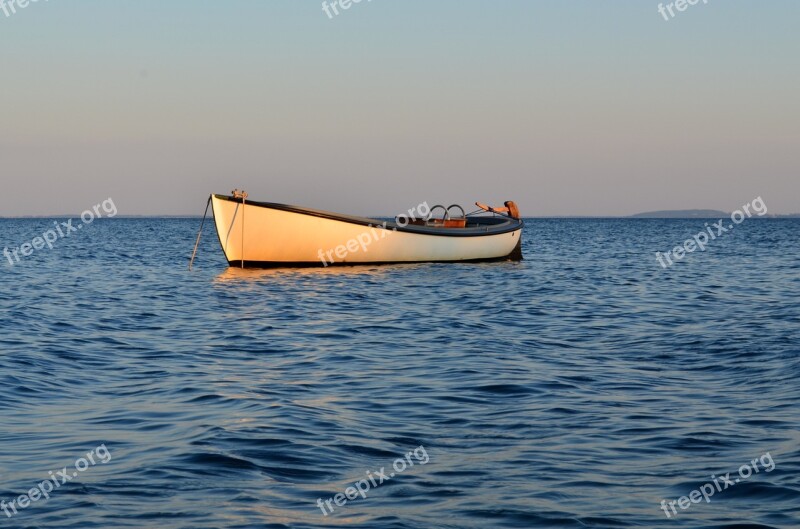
x: 277, y: 235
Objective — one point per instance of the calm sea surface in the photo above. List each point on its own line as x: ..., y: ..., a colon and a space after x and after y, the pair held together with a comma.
x: 578, y: 388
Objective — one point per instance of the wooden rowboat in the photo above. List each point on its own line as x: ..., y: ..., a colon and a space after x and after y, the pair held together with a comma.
x: 265, y: 234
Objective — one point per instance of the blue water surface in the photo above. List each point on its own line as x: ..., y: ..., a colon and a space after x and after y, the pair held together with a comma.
x: 575, y: 389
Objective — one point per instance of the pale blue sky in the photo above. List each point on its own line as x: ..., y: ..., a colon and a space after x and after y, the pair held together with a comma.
x: 567, y: 107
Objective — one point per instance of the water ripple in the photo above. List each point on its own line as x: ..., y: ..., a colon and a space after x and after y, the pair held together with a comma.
x: 578, y: 388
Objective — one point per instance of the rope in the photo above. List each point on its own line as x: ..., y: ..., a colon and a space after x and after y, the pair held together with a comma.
x: 480, y: 211
x: 199, y: 233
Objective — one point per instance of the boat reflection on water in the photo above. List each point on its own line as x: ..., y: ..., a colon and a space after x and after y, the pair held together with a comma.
x: 257, y: 274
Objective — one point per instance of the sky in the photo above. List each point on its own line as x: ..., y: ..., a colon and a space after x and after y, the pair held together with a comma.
x: 568, y: 107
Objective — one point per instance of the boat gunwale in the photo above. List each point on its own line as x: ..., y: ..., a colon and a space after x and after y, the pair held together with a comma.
x: 493, y: 227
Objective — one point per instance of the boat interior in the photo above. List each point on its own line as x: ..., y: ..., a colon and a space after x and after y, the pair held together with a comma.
x: 463, y: 220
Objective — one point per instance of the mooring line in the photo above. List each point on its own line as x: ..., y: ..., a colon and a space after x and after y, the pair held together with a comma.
x: 199, y: 233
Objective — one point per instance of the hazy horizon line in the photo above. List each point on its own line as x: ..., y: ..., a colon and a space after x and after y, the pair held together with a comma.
x: 635, y: 216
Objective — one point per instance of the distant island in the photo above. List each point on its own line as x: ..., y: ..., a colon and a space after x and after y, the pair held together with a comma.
x: 698, y: 214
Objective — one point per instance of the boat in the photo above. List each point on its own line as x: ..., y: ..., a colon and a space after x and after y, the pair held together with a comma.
x: 267, y: 235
